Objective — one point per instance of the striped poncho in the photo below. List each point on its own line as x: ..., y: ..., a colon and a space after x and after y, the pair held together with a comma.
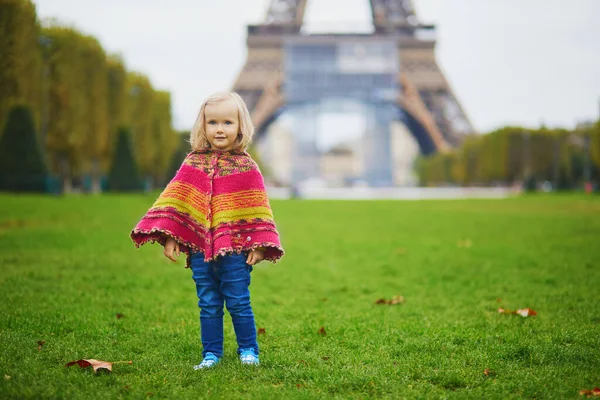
x: 216, y: 204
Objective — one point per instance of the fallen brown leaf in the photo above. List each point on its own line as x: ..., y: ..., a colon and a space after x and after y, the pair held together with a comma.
x: 261, y: 331
x: 524, y: 312
x: 486, y: 372
x: 96, y: 364
x: 586, y: 392
x: 322, y: 331
x: 41, y: 344
x: 119, y: 315
x: 393, y: 301
x: 325, y: 358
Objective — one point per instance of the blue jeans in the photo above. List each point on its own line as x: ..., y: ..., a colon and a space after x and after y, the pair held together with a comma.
x: 224, y: 280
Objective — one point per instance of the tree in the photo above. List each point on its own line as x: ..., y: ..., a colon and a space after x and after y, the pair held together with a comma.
x: 67, y: 122
x: 595, y: 145
x: 117, y: 105
x: 164, y: 136
x: 96, y: 87
x: 22, y: 166
x: 181, y: 151
x: 140, y: 115
x: 124, y: 176
x: 20, y: 58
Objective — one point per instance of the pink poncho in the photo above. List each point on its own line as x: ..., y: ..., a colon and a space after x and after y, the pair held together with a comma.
x: 216, y: 204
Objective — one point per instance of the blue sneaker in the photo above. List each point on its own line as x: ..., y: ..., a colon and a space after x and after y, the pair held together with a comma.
x: 210, y: 360
x: 249, y: 357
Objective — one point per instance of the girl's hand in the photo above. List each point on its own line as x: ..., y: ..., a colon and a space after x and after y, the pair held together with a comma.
x: 255, y: 256
x: 171, y: 249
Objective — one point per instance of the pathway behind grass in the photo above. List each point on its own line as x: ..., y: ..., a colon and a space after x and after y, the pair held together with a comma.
x: 68, y: 268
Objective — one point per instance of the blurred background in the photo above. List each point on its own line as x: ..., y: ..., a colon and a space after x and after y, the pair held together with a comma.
x: 379, y: 97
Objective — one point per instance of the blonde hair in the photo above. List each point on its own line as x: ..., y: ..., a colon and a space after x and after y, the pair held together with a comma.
x: 198, y: 138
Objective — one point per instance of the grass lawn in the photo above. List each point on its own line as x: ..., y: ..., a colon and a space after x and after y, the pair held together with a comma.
x: 68, y: 268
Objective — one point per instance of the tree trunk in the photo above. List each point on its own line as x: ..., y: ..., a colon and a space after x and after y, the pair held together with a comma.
x: 556, y: 165
x: 96, y: 185
x: 65, y: 173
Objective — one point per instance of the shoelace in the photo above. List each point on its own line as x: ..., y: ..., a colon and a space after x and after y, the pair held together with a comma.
x: 249, y: 358
x: 206, y: 363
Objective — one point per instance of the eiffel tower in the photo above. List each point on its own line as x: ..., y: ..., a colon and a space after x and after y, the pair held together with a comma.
x: 429, y: 108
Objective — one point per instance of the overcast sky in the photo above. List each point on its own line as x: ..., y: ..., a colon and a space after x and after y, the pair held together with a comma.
x: 509, y: 61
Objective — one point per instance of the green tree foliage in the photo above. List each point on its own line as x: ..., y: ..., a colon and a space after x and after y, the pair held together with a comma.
x: 117, y: 104
x: 94, y: 67
x: 79, y: 97
x: 67, y: 96
x: 510, y: 155
x: 22, y: 166
x: 140, y: 118
x: 124, y: 176
x: 20, y: 58
x: 594, y: 134
x: 165, y: 138
x: 182, y: 149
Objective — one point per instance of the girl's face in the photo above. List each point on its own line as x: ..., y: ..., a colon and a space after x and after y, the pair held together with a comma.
x: 222, y: 124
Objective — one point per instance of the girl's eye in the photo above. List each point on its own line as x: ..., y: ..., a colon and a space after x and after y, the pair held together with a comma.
x: 211, y: 122
x: 228, y: 122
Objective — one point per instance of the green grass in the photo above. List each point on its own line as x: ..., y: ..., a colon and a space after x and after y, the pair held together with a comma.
x: 68, y: 267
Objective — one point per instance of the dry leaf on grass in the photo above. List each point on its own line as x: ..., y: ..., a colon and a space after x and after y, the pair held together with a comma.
x: 393, y: 301
x: 586, y: 392
x: 119, y: 315
x: 523, y: 312
x: 526, y: 312
x: 261, y: 331
x: 96, y: 364
x: 322, y: 331
x: 489, y: 372
x: 41, y: 344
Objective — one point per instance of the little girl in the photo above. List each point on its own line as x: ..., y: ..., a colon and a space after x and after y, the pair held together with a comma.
x: 216, y: 210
